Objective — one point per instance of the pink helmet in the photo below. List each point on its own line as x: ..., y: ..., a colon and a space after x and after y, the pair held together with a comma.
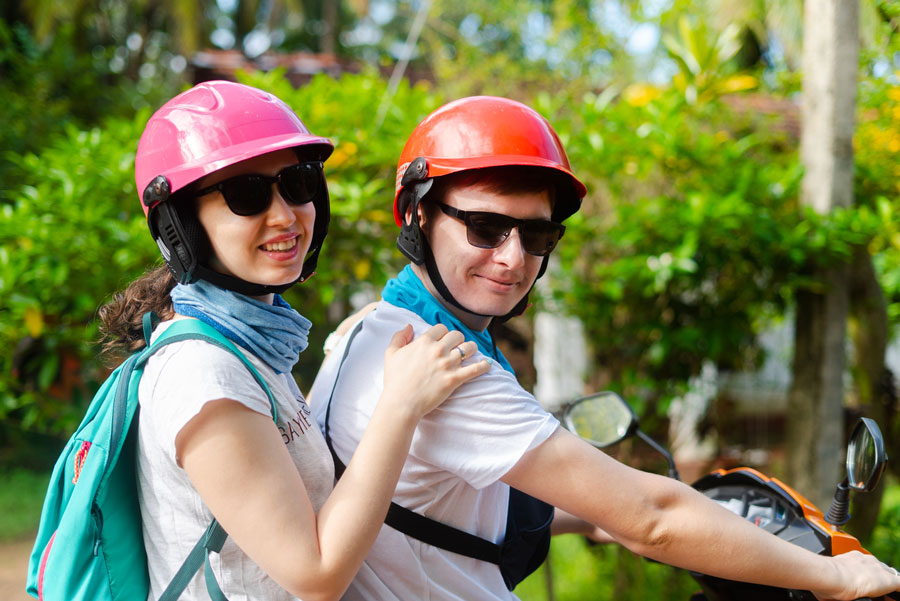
x: 213, y: 125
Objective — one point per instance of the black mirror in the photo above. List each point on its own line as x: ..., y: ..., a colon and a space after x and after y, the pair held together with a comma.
x: 603, y: 419
x: 866, y: 457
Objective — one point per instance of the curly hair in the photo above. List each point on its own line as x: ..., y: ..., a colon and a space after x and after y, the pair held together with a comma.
x: 121, y: 319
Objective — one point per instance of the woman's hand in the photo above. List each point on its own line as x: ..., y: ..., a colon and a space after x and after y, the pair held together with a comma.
x: 420, y: 374
x: 863, y: 576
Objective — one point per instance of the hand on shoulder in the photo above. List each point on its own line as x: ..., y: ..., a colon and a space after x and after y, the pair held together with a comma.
x: 420, y: 373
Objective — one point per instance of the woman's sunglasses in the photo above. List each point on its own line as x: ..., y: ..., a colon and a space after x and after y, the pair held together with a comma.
x: 251, y: 193
x: 490, y: 230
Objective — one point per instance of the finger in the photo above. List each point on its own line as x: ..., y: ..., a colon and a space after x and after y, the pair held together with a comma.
x: 466, y: 350
x: 467, y: 372
x: 451, y: 340
x: 400, y: 339
x: 435, y: 332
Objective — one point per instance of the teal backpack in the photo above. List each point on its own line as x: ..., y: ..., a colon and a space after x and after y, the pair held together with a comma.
x: 89, y: 545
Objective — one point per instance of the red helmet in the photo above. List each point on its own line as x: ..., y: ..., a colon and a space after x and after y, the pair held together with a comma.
x: 485, y: 131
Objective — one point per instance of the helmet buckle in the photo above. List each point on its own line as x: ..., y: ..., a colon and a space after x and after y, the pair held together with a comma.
x: 157, y: 191
x: 416, y: 172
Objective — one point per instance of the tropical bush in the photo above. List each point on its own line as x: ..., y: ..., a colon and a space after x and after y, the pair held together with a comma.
x: 73, y: 234
x: 690, y: 236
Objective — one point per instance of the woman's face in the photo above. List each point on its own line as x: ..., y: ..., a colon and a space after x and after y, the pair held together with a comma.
x: 267, y: 248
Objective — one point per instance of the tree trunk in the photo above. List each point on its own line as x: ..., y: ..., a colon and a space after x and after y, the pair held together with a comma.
x: 815, y: 403
x: 874, y: 381
x: 815, y: 424
x: 328, y: 39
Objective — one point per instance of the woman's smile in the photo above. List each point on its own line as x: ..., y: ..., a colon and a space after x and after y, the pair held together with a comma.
x: 282, y: 248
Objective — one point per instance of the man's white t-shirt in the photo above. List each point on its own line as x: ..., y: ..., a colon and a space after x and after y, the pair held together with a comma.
x: 458, y: 454
x: 178, y: 381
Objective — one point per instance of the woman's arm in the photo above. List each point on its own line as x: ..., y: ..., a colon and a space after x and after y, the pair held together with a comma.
x: 237, y: 460
x: 669, y: 521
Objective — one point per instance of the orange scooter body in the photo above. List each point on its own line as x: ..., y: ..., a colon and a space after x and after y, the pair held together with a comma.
x: 778, y: 509
x: 838, y: 541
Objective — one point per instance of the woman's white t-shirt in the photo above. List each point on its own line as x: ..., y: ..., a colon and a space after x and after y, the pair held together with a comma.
x: 178, y: 381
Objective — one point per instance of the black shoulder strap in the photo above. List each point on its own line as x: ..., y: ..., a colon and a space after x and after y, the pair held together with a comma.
x: 409, y: 522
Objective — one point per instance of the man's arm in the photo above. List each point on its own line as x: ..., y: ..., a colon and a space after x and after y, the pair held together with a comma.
x: 566, y: 523
x: 667, y: 520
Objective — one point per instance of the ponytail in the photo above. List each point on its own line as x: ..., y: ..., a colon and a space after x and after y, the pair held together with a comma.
x: 121, y: 319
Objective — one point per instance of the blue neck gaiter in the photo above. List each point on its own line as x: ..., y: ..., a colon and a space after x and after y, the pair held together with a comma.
x: 275, y: 333
x: 408, y: 292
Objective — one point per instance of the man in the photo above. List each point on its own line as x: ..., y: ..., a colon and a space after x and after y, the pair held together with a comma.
x: 483, y: 185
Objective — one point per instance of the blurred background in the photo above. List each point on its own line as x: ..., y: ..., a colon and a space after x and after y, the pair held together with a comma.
x: 743, y: 298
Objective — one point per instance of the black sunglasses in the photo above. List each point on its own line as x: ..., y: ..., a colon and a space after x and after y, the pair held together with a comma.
x: 251, y: 193
x: 490, y: 230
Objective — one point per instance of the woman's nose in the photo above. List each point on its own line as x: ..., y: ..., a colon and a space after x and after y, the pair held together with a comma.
x: 279, y: 212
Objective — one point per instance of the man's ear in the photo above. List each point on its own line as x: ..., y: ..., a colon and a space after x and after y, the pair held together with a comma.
x: 423, y: 219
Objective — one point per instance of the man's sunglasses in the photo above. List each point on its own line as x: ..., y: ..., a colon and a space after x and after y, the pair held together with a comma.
x: 251, y: 193
x: 490, y: 230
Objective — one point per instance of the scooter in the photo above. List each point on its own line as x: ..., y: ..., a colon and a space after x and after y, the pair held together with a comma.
x: 604, y: 419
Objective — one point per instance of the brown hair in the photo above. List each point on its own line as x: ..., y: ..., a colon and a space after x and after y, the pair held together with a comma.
x: 121, y: 319
x: 506, y: 180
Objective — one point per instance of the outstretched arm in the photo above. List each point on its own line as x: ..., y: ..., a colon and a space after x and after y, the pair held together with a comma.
x: 669, y: 521
x: 566, y: 523
x: 238, y: 463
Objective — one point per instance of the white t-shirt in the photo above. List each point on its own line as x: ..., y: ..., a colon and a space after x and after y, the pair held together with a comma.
x: 178, y: 381
x: 459, y: 453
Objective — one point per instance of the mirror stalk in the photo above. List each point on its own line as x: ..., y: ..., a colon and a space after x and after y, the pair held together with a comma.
x: 672, y: 471
x: 839, y: 512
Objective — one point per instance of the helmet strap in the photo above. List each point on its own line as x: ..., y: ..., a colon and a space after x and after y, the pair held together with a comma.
x: 435, y: 275
x: 184, y: 246
x: 438, y: 282
x: 229, y: 282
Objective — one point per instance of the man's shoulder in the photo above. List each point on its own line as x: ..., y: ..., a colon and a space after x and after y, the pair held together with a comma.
x: 387, y: 314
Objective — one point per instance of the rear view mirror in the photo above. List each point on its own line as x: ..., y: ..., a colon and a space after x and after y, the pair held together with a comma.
x: 602, y: 419
x: 866, y: 456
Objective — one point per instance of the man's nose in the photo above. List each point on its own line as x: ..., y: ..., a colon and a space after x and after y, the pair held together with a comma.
x: 511, y: 252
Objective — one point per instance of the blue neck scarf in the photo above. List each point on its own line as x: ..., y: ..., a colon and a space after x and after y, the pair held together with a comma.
x: 408, y: 292
x: 275, y: 333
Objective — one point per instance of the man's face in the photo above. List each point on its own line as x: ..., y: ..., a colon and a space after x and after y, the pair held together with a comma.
x: 490, y: 281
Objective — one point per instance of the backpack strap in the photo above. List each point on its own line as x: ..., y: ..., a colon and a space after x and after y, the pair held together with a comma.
x: 214, y: 537
x: 149, y: 322
x: 409, y: 522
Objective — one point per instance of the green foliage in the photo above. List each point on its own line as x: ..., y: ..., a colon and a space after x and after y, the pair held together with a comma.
x: 885, y: 542
x: 72, y: 234
x: 46, y: 86
x: 21, y: 498
x: 691, y: 233
x: 579, y: 571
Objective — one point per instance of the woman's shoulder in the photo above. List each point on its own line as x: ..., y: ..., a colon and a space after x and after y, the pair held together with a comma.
x: 204, y: 371
x: 193, y: 354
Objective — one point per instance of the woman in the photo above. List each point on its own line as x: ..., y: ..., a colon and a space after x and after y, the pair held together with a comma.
x: 231, y: 183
